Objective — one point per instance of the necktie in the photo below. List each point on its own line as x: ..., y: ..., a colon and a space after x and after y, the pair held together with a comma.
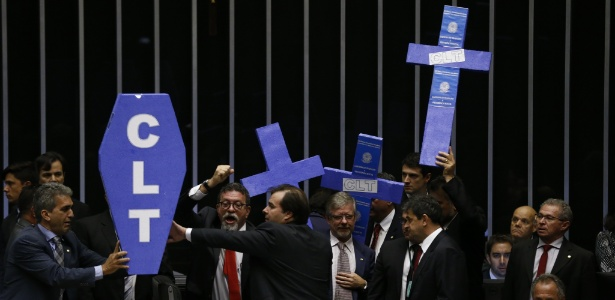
x: 230, y: 270
x: 129, y: 284
x: 343, y: 265
x: 414, y: 264
x: 542, y: 263
x: 377, y: 229
x: 58, y: 255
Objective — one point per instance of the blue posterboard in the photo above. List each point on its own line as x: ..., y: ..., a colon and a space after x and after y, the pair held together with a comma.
x: 447, y: 58
x: 280, y: 168
x: 363, y: 183
x: 142, y: 161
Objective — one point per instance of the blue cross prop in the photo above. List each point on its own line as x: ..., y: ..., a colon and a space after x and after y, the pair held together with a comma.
x: 142, y: 161
x: 363, y: 183
x: 447, y: 58
x: 280, y: 168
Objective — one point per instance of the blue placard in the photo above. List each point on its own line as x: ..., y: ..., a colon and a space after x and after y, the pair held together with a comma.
x: 453, y: 28
x: 280, y: 168
x: 367, y: 156
x: 142, y: 161
x: 447, y: 58
x: 363, y: 183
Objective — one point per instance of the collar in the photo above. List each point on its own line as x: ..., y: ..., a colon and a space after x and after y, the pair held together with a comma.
x: 429, y: 239
x: 445, y: 226
x: 49, y: 235
x: 386, y: 222
x: 335, y: 241
x: 556, y: 244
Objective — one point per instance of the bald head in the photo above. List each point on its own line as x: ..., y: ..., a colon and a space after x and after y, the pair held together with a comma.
x: 523, y: 223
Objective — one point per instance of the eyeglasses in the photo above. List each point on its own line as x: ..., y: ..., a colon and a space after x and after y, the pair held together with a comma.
x: 339, y: 218
x: 236, y: 205
x: 548, y: 218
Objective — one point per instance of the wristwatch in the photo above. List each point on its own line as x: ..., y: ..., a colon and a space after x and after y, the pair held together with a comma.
x: 207, y: 187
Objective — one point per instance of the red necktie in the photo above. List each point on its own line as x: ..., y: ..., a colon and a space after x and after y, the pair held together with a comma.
x: 542, y: 264
x: 418, y: 251
x: 377, y: 229
x: 230, y: 270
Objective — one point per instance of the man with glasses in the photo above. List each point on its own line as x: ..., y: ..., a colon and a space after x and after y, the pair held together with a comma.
x: 551, y: 253
x: 207, y: 278
x: 288, y: 260
x: 353, y: 262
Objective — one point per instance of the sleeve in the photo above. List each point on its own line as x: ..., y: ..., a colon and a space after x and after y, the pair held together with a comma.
x: 464, y: 204
x: 452, y: 277
x: 256, y: 242
x: 377, y: 285
x: 31, y: 255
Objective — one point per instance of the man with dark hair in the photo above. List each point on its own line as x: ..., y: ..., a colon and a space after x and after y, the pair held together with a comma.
x: 427, y: 264
x: 548, y: 287
x: 384, y: 221
x: 16, y: 176
x: 50, y: 167
x: 497, y: 253
x: 353, y: 262
x: 206, y: 278
x: 464, y: 221
x: 288, y: 260
x: 414, y: 175
x: 27, y: 217
x: 551, y: 253
x: 47, y: 261
x: 318, y: 202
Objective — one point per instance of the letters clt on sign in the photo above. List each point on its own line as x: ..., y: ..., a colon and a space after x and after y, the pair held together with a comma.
x: 142, y: 161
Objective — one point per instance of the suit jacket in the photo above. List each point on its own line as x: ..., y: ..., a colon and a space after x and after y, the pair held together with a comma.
x: 32, y: 272
x: 468, y: 230
x: 319, y: 223
x: 288, y: 261
x: 575, y: 266
x: 98, y: 233
x: 204, y: 259
x: 365, y: 261
x: 395, y: 231
x: 441, y: 273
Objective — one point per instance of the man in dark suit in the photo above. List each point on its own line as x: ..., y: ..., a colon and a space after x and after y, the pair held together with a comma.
x: 16, y: 176
x: 430, y: 266
x: 551, y: 253
x: 414, y: 176
x: 464, y: 221
x: 98, y: 233
x: 48, y: 261
x: 341, y: 212
x: 288, y: 260
x: 384, y: 221
x: 50, y: 168
x: 206, y: 279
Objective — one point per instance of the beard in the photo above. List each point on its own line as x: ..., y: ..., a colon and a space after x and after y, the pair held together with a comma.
x: 230, y: 227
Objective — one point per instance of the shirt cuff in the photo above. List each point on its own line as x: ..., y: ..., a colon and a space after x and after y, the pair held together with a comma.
x: 98, y: 273
x: 195, y: 193
x: 189, y: 234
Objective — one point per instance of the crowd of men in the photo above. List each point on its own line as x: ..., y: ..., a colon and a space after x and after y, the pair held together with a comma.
x: 431, y: 246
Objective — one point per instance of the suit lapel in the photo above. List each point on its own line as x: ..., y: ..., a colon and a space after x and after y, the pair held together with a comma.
x: 564, y: 256
x: 359, y: 258
x: 529, y: 259
x: 425, y: 258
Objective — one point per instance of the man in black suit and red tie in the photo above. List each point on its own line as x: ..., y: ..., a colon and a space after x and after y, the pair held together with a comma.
x: 551, y: 253
x: 288, y: 260
x: 384, y: 221
x: 427, y: 264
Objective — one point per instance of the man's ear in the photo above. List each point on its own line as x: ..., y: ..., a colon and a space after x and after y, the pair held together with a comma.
x: 427, y: 177
x: 45, y: 215
x: 27, y: 183
x: 288, y: 217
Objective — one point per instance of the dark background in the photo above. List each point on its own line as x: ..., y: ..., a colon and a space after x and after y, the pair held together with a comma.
x: 510, y: 110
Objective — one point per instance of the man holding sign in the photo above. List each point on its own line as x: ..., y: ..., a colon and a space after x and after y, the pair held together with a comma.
x: 47, y: 261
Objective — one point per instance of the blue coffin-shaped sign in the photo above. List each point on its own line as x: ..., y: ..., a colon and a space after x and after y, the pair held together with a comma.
x: 142, y: 160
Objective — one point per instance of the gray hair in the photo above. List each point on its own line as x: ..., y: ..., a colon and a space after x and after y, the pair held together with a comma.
x: 566, y: 211
x: 548, y: 278
x: 44, y: 197
x: 340, y: 199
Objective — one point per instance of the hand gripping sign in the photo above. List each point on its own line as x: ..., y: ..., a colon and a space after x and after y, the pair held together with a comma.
x: 142, y: 161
